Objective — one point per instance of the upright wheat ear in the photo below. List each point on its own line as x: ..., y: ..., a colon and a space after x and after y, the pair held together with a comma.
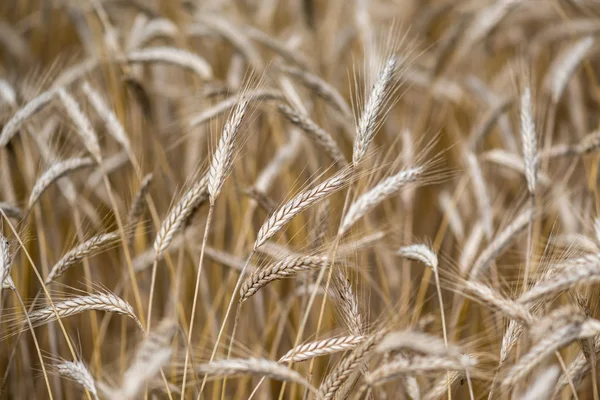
x: 367, y: 123
x: 5, y: 263
x: 223, y: 158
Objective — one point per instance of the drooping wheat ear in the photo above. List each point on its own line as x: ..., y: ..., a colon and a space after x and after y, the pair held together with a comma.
x: 11, y: 211
x: 262, y: 199
x: 420, y: 252
x: 223, y: 158
x: 224, y: 105
x: 197, y: 194
x: 529, y: 139
x: 589, y: 143
x: 481, y: 193
x: 419, y: 342
x: 152, y: 355
x: 79, y: 252
x: 440, y: 387
x: 285, y: 154
x: 254, y: 366
x: 347, y: 303
x: 54, y: 173
x: 82, y: 123
x: 137, y: 203
x: 23, y: 114
x: 294, y: 57
x: 321, y: 88
x: 367, y: 124
x: 175, y: 56
x: 584, y: 269
x: 559, y: 334
x: 491, y: 298
x: 564, y: 65
x: 370, y: 199
x: 78, y: 372
x: 418, y: 365
x: 155, y: 28
x: 485, y: 21
x: 323, y: 347
x: 500, y: 243
x: 299, y: 203
x: 348, y: 365
x: 7, y: 93
x: 317, y: 134
x: 287, y: 267
x: 5, y: 262
x: 113, y: 125
x: 97, y: 302
x: 543, y: 385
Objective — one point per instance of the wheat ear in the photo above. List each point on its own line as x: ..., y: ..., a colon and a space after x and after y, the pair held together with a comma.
x: 323, y: 347
x: 77, y: 371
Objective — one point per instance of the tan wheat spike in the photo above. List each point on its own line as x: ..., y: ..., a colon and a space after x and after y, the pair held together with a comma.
x: 223, y: 157
x: 543, y: 385
x: 79, y: 252
x: 317, y: 134
x: 299, y: 203
x: 501, y: 241
x: 137, y: 203
x: 491, y: 298
x: 113, y: 125
x: 78, y: 372
x: 256, y: 95
x: 319, y: 86
x: 155, y: 28
x: 370, y: 199
x: 282, y: 49
x: 23, y: 114
x: 560, y: 333
x: 279, y: 270
x: 175, y: 56
x: 152, y: 355
x: 419, y: 342
x: 5, y: 262
x: 420, y: 252
x: 323, y: 347
x: 347, y: 303
x: 197, y: 194
x: 254, y: 366
x: 82, y: 123
x: 348, y: 365
x: 92, y: 302
x: 372, y: 109
x: 585, y: 269
x: 564, y: 66
x: 529, y: 139
x: 418, y: 365
x: 54, y: 173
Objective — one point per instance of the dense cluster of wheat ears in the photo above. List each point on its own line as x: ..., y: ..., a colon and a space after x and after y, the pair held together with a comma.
x: 299, y: 199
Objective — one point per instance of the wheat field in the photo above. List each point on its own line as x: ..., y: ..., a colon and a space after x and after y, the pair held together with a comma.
x: 299, y: 199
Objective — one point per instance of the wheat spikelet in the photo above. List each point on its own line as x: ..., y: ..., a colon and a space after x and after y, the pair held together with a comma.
x: 113, y: 125
x: 299, y: 203
x: 172, y: 55
x: 197, y: 194
x: 80, y: 252
x: 585, y: 269
x: 54, y: 173
x: 384, y: 189
x: 223, y: 157
x: 279, y: 270
x: 367, y: 123
x: 82, y: 123
x: 565, y: 65
x: 501, y: 242
x: 323, y: 347
x: 23, y: 114
x: 529, y: 139
x: 152, y: 355
x: 136, y: 208
x: 347, y: 303
x: 317, y: 134
x: 255, y: 366
x: 107, y: 302
x: 78, y: 372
